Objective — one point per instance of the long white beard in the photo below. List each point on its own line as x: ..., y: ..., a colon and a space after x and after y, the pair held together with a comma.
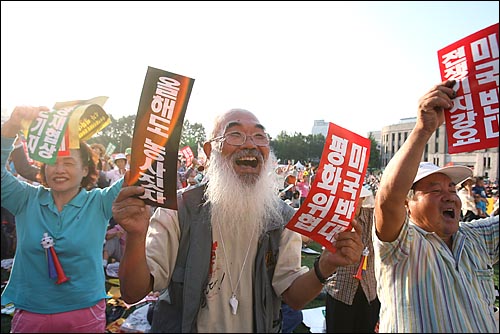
x: 238, y: 206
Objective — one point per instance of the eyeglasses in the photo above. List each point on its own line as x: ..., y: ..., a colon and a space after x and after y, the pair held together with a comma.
x: 237, y: 138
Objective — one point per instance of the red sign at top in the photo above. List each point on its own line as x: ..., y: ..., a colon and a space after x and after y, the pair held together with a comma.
x: 472, y: 123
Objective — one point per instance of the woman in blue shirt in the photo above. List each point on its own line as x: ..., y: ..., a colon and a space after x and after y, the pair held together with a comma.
x: 76, y: 219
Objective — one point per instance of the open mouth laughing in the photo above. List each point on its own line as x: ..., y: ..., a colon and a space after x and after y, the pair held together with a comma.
x: 248, y: 159
x: 450, y: 213
x: 247, y: 162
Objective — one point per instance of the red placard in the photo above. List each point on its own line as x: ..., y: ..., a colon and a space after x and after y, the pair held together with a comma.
x: 188, y: 155
x: 329, y: 208
x: 472, y: 123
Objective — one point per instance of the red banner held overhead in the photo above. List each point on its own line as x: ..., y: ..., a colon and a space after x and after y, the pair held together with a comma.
x: 329, y: 208
x: 157, y: 132
x: 472, y: 123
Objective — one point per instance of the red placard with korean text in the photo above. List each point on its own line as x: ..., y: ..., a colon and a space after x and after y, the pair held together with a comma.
x: 157, y: 132
x: 472, y: 123
x: 188, y: 154
x: 329, y: 208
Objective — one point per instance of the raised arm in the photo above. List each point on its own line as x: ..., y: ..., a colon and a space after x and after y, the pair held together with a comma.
x: 307, y: 286
x: 20, y: 118
x: 401, y: 170
x: 132, y: 214
x: 22, y: 165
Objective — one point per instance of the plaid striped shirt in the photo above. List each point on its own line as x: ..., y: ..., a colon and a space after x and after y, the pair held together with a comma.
x: 424, y: 287
x: 343, y: 287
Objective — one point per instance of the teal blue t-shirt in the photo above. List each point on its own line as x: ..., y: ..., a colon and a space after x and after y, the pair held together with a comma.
x: 78, y: 232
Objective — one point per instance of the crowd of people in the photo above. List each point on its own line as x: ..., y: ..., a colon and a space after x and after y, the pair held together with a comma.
x: 224, y: 261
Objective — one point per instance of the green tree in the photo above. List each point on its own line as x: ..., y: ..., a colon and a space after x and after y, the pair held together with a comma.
x: 118, y: 132
x: 298, y: 147
x: 192, y: 135
x: 281, y: 147
x: 316, y: 144
x: 374, y: 162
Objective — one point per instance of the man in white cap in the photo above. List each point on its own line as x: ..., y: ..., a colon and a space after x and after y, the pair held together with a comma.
x: 434, y: 274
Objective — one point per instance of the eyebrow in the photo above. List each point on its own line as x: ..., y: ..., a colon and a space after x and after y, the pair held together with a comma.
x: 235, y: 123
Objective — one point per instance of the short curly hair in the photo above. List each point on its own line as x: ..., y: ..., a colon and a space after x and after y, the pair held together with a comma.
x: 100, y: 147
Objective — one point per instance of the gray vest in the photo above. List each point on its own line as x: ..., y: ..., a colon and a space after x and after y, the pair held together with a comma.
x: 177, y: 308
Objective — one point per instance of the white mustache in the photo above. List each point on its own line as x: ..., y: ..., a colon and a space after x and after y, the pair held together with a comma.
x: 248, y: 153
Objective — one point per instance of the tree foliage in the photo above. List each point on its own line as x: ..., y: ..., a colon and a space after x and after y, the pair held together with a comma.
x: 120, y: 131
x: 374, y: 162
x: 286, y: 146
x: 192, y: 135
x: 298, y: 147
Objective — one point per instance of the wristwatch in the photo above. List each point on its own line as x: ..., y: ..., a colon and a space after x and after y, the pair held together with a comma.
x: 320, y: 277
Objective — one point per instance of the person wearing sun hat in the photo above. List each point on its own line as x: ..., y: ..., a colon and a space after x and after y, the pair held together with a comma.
x: 434, y: 273
x: 464, y: 191
x: 119, y: 170
x: 456, y: 173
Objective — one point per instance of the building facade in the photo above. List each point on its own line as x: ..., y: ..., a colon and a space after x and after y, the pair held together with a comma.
x: 482, y: 162
x: 320, y: 126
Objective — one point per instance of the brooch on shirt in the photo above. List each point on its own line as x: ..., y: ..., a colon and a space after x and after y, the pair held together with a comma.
x: 55, y: 268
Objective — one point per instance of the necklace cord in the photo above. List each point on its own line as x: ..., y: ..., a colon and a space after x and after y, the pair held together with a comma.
x: 233, y: 292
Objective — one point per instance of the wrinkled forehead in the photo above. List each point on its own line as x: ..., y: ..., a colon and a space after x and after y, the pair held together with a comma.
x: 235, y: 118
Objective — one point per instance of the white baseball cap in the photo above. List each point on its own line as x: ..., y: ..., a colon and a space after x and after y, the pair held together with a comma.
x: 120, y: 156
x: 456, y: 173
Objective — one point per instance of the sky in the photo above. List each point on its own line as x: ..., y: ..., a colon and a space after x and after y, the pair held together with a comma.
x: 360, y: 65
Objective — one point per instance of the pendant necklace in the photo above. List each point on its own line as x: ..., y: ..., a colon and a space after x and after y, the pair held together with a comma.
x: 233, y: 301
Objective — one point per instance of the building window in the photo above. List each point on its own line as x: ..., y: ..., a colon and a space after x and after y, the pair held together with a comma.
x: 487, y: 162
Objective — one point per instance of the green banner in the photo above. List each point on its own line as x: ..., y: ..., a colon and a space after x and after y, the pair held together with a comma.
x: 78, y: 120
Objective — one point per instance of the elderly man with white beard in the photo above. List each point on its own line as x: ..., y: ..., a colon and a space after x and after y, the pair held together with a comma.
x: 224, y: 261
